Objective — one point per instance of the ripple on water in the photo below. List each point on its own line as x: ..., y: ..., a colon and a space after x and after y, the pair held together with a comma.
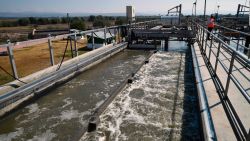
x: 12, y: 135
x: 47, y: 136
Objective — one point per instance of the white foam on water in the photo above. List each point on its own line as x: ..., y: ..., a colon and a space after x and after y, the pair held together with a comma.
x: 98, y: 104
x: 33, y: 108
x: 68, y: 101
x: 47, y: 136
x: 151, y: 110
x: 12, y: 135
x: 69, y: 114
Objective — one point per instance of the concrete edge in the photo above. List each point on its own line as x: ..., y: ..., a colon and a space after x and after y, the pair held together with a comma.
x: 206, y: 119
x: 17, y: 103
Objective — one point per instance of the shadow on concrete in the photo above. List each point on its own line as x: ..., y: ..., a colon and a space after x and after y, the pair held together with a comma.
x: 191, y: 129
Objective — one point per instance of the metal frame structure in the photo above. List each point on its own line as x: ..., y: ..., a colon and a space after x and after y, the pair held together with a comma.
x: 241, y: 10
x: 178, y: 10
x: 71, y: 36
x: 217, y: 47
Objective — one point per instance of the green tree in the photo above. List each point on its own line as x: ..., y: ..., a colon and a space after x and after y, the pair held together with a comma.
x: 91, y: 18
x: 98, y: 23
x: 33, y: 20
x: 23, y: 21
x: 78, y: 24
x: 43, y: 21
x: 55, y: 20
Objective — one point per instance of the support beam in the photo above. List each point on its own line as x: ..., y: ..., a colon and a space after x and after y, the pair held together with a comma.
x: 166, y: 44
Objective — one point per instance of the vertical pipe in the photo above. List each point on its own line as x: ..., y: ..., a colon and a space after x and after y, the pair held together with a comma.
x: 195, y: 9
x: 180, y: 8
x: 105, y: 35
x: 75, y: 45
x: 12, y: 60
x: 71, y: 46
x: 51, y: 51
x: 93, y: 40
x: 166, y: 44
x: 119, y: 35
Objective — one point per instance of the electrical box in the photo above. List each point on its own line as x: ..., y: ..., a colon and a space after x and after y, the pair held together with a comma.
x: 130, y: 13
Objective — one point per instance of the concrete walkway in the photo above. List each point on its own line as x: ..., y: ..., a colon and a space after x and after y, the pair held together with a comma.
x: 223, y: 129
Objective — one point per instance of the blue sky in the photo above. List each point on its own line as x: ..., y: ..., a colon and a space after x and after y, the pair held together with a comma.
x: 114, y: 6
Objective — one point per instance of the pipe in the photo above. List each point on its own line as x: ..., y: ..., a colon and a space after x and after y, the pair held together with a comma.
x: 209, y: 132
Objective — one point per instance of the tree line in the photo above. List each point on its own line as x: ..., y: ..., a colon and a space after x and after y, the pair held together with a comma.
x: 75, y: 22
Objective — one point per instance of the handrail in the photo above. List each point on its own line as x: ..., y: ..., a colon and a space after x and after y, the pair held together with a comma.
x: 223, y: 89
x: 59, y: 37
x: 237, y: 31
x: 209, y: 133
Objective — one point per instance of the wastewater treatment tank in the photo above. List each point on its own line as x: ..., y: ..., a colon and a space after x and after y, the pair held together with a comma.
x: 160, y: 104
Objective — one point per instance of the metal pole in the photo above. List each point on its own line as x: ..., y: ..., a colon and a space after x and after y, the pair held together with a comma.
x: 118, y: 34
x: 68, y: 22
x: 105, y: 36
x: 75, y: 45
x: 195, y: 9
x: 71, y: 47
x: 51, y: 52
x: 93, y: 40
x: 229, y: 74
x: 12, y: 60
x: 205, y: 7
x: 217, y: 58
x: 180, y: 14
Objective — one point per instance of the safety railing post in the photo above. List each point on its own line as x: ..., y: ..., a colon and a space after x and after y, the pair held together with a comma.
x: 229, y: 73
x: 202, y: 40
x: 217, y: 57
x: 51, y: 51
x: 75, y: 45
x: 210, y: 47
x: 205, y: 50
x: 12, y: 60
x: 93, y: 40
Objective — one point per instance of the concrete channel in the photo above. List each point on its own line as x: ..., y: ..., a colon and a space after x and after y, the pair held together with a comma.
x: 160, y: 104
x: 63, y: 112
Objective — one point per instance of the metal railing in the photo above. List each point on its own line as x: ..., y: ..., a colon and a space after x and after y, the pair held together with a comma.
x: 9, y: 47
x: 220, y: 57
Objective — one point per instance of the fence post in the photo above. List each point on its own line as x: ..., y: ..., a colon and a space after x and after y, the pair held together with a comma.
x: 93, y: 40
x: 51, y: 52
x: 75, y: 45
x: 12, y: 60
